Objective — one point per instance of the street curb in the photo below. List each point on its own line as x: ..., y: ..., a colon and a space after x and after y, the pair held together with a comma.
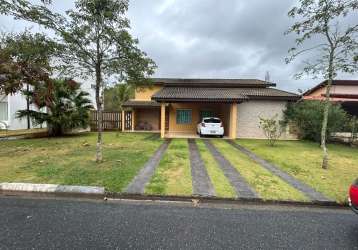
x: 20, y: 189
x: 91, y: 192
x: 218, y: 200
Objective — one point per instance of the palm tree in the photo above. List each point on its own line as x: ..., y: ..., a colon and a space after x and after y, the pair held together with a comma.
x: 61, y: 105
x: 115, y: 96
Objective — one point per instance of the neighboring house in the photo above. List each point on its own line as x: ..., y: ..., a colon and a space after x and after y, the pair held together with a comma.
x: 342, y: 91
x: 10, y: 104
x: 175, y: 106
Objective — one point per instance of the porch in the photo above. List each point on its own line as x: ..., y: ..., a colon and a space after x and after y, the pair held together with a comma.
x: 177, y: 119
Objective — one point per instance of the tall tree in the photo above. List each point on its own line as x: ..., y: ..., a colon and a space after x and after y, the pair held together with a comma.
x: 95, y: 41
x: 324, y: 22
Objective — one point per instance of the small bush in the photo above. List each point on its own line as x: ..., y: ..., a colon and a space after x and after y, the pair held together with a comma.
x: 272, y: 128
x: 308, y: 116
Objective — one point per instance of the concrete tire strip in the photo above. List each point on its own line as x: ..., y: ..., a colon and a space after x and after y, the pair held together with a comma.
x: 51, y: 188
x: 242, y: 188
x: 201, y: 182
x: 138, y: 184
x: 305, y: 189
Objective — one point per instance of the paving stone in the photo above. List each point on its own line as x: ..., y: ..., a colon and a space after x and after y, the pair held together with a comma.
x: 137, y: 186
x: 307, y: 190
x: 242, y: 188
x: 202, y: 185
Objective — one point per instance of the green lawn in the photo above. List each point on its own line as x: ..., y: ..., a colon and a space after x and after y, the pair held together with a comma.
x: 71, y: 160
x: 173, y: 175
x: 267, y: 185
x: 302, y: 159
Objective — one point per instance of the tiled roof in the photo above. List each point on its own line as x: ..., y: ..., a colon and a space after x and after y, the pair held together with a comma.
x: 220, y: 94
x: 335, y: 82
x: 134, y: 103
x: 220, y: 83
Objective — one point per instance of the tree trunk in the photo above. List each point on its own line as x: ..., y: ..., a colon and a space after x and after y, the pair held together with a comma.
x: 28, y: 107
x: 326, y: 112
x: 99, y: 157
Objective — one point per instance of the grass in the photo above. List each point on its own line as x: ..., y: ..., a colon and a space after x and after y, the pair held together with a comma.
x: 173, y: 175
x: 221, y: 184
x: 302, y: 159
x: 267, y: 185
x: 71, y: 160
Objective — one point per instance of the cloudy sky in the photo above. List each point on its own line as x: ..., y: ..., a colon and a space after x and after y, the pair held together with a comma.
x: 212, y: 38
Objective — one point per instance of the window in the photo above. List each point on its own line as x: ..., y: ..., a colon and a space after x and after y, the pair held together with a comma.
x: 184, y: 116
x: 3, y: 111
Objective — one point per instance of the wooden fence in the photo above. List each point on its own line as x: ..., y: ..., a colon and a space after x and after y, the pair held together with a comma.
x: 111, y: 120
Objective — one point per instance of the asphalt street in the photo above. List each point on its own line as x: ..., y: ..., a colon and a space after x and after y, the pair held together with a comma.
x: 79, y: 224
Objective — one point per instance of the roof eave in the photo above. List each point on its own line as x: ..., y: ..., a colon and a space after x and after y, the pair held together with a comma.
x: 226, y: 100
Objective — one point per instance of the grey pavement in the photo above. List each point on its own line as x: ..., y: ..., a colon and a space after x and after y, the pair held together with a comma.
x: 202, y: 185
x: 242, y: 188
x: 66, y: 224
x: 137, y: 185
x: 305, y: 189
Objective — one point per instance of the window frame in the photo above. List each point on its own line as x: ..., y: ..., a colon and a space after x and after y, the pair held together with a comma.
x: 178, y: 118
x: 6, y: 110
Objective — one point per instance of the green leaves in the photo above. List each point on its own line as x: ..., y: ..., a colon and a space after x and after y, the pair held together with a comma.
x: 272, y: 128
x: 63, y: 108
x: 115, y: 96
x: 322, y: 22
x: 308, y: 117
x: 25, y: 58
x: 92, y: 36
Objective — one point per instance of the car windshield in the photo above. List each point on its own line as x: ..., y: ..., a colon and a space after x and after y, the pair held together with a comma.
x: 212, y: 120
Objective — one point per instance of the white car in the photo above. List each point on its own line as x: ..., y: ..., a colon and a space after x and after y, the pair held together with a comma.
x: 210, y: 126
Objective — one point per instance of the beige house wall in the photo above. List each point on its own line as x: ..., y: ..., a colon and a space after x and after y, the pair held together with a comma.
x: 249, y: 113
x: 145, y: 93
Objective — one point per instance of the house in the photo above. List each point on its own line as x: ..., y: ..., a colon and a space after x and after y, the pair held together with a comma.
x: 174, y: 107
x: 344, y: 92
x: 10, y: 104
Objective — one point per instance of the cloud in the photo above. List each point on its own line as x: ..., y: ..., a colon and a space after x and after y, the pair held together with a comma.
x: 211, y: 38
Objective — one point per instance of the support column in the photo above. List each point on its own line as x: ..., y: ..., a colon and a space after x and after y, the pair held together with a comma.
x: 133, y: 120
x: 162, y: 120
x: 123, y: 114
x: 233, y: 121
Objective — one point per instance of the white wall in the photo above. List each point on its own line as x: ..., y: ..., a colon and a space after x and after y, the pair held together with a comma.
x: 17, y: 102
x: 249, y: 114
x: 86, y: 86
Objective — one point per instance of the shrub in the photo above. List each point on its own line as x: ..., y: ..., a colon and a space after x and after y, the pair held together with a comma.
x: 272, y: 128
x: 308, y: 117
